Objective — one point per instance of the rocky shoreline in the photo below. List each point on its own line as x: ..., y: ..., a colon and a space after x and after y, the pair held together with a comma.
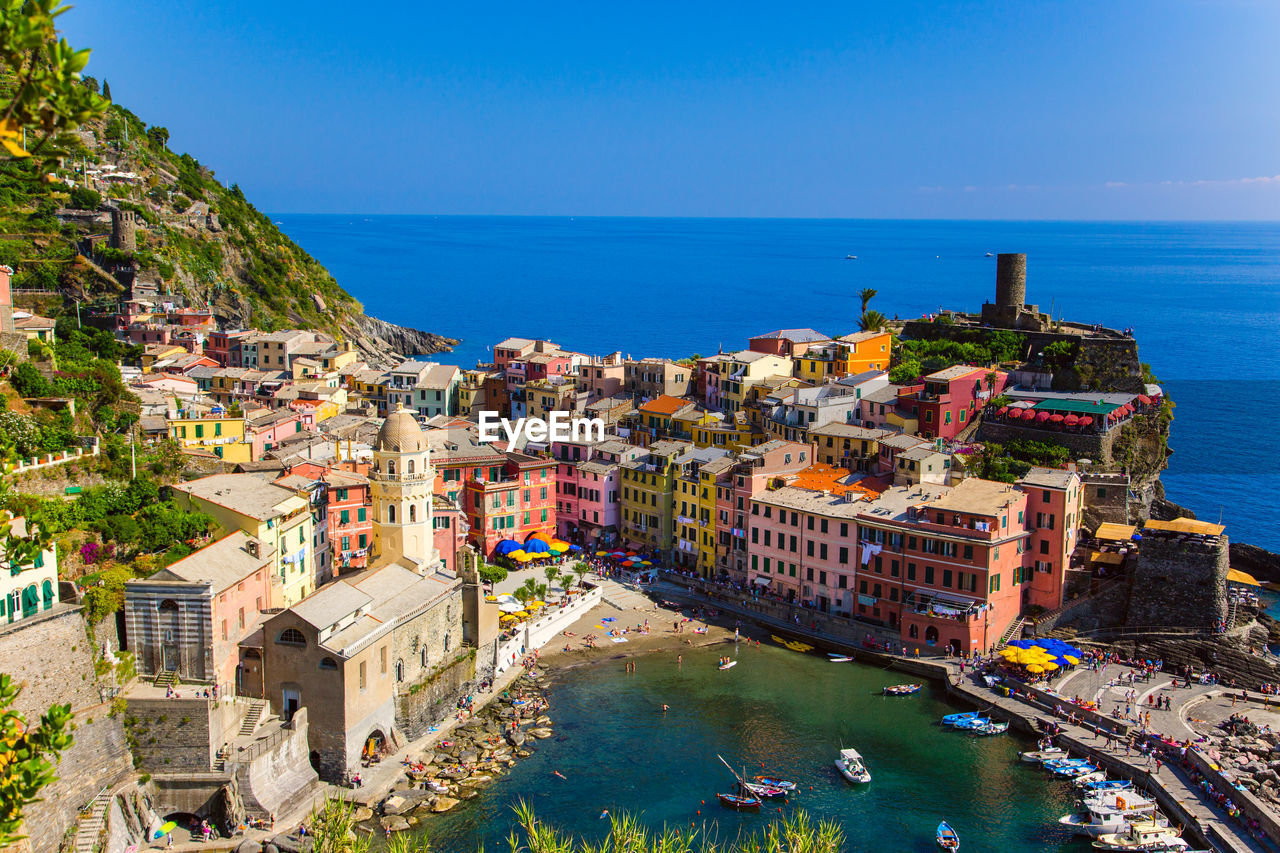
x: 475, y: 754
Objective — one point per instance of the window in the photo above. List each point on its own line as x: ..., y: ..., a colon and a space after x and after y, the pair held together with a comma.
x: 946, y: 578
x: 344, y: 517
x: 328, y: 663
x: 928, y: 574
x: 382, y: 660
x: 391, y: 514
x: 291, y: 637
x: 363, y: 675
x: 399, y: 670
x: 413, y: 513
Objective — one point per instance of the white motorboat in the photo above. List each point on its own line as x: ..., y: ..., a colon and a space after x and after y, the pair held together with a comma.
x: 1107, y: 820
x: 1145, y: 836
x: 992, y: 728
x: 1124, y: 800
x: 1040, y: 756
x: 851, y: 766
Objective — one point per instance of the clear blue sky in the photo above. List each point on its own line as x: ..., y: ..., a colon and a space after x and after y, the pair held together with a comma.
x: 1118, y: 109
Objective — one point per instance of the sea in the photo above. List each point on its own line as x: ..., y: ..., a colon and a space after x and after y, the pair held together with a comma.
x: 1202, y: 298
x: 776, y: 712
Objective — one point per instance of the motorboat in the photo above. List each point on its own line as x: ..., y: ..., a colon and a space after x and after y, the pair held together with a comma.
x: 851, y: 766
x: 1040, y: 756
x: 840, y: 659
x: 774, y: 782
x: 1103, y: 784
x: 1122, y: 800
x: 739, y: 802
x: 1097, y: 822
x: 1052, y: 763
x: 946, y: 837
x: 764, y: 792
x: 902, y: 689
x: 991, y: 680
x: 972, y: 723
x: 850, y: 257
x: 1081, y: 781
x: 1074, y: 771
x: 952, y: 719
x: 992, y: 728
x: 1144, y: 836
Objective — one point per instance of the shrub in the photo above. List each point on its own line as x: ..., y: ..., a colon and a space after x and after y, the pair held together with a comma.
x: 83, y: 198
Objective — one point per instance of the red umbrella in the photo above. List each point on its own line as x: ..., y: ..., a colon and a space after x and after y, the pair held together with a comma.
x: 1144, y: 399
x: 1002, y: 410
x: 1015, y: 413
x: 1071, y: 420
x: 1086, y: 420
x: 1056, y: 418
x: 1041, y: 417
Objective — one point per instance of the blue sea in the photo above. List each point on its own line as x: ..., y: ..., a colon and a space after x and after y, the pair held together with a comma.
x: 1204, y: 299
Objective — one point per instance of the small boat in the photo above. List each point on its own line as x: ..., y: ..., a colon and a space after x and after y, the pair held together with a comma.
x: 739, y: 802
x: 850, y: 257
x: 729, y: 664
x: 1105, y: 821
x: 1104, y: 784
x: 1074, y: 771
x: 774, y: 782
x: 851, y: 767
x: 972, y: 723
x: 952, y: 719
x: 1144, y: 836
x: 834, y: 655
x: 946, y: 837
x: 840, y: 659
x: 1040, y: 756
x: 989, y: 255
x: 902, y: 689
x: 991, y: 680
x: 1122, y: 800
x: 1065, y: 761
x: 1082, y: 781
x: 763, y: 792
x: 992, y: 728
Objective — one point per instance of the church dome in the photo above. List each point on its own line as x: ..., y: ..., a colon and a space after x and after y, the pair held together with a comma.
x: 401, y: 433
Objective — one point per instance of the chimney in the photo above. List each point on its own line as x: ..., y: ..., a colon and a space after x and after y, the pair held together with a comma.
x: 252, y: 547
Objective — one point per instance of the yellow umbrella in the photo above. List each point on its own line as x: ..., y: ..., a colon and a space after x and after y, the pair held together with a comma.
x: 491, y: 598
x: 558, y: 546
x: 523, y: 557
x: 1072, y: 659
x: 1035, y: 667
x: 602, y: 553
x: 1050, y: 667
x: 521, y: 615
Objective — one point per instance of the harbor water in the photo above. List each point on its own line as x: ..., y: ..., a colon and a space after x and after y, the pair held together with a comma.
x: 780, y: 712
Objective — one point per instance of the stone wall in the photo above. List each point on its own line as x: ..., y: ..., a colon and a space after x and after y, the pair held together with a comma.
x: 51, y: 657
x: 1094, y: 446
x: 1106, y: 499
x: 274, y: 774
x: 181, y: 734
x: 433, y: 698
x: 1179, y: 584
x: 1226, y: 654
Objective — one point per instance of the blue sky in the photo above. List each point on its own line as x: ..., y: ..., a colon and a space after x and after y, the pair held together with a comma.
x: 1125, y: 109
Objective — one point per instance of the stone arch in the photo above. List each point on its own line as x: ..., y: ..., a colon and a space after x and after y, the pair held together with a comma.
x: 931, y: 636
x: 954, y: 645
x: 391, y: 514
x: 291, y: 637
x: 409, y: 467
x: 413, y: 513
x: 391, y: 466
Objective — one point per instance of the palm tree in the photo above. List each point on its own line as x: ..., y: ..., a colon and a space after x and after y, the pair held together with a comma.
x: 551, y: 573
x: 872, y: 321
x: 566, y: 580
x: 581, y: 569
x: 866, y: 295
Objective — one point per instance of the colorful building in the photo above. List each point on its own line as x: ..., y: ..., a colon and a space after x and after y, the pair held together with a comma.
x: 217, y: 432
x: 519, y: 503
x: 27, y: 589
x: 1055, y: 509
x: 647, y: 483
x: 949, y: 400
x: 865, y: 351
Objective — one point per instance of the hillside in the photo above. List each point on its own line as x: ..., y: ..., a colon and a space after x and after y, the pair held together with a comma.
x: 196, y: 239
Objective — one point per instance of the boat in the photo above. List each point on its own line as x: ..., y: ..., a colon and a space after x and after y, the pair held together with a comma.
x: 1103, y: 784
x: 1065, y: 761
x: 840, y: 659
x: 739, y: 802
x: 902, y: 689
x: 1131, y: 801
x: 992, y: 728
x: 763, y: 792
x: 1106, y: 821
x: 1039, y: 756
x: 1071, y: 771
x: 952, y: 719
x: 989, y: 255
x: 972, y: 723
x: 851, y: 767
x: 1145, y: 836
x: 850, y: 257
x: 774, y: 782
x: 729, y: 664
x: 991, y: 680
x: 946, y: 837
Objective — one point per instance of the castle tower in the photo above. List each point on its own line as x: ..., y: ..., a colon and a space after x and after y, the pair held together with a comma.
x: 1011, y: 281
x: 479, y: 617
x: 124, y: 230
x: 401, y: 487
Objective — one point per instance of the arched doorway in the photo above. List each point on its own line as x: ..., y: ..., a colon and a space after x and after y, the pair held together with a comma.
x: 931, y: 636
x: 374, y: 744
x: 954, y: 645
x: 169, y: 628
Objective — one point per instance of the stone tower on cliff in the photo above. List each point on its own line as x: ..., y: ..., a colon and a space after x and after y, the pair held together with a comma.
x: 1010, y: 310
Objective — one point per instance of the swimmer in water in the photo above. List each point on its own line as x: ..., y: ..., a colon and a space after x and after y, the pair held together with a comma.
x: 665, y: 707
x: 604, y: 813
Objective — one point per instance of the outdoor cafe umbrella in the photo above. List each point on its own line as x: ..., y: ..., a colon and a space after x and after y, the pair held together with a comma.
x: 602, y: 553
x: 537, y: 535
x: 559, y: 546
x: 1041, y: 417
x: 511, y: 606
x: 165, y: 828
x: 1035, y: 667
x: 1072, y: 420
x: 1015, y: 413
x: 505, y: 547
x: 1056, y: 418
x: 536, y: 546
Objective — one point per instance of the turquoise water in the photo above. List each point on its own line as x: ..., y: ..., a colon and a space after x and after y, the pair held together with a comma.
x: 777, y: 711
x: 1204, y: 299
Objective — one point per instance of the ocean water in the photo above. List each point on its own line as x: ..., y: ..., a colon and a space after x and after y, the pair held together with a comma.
x: 777, y: 712
x: 1204, y: 299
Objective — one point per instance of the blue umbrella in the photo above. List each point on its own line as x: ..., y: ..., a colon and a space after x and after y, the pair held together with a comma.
x: 506, y: 546
x: 575, y: 547
x: 536, y: 546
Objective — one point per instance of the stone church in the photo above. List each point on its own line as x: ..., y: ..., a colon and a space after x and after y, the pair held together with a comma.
x: 378, y: 656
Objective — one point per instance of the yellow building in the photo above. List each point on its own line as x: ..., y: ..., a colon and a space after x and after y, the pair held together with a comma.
x: 152, y: 353
x: 743, y: 370
x: 26, y: 589
x: 693, y: 504
x: 275, y: 516
x: 219, y: 434
x: 733, y: 434
x: 863, y: 351
x: 647, y: 484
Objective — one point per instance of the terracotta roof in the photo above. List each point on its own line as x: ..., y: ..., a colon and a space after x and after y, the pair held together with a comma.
x: 665, y: 405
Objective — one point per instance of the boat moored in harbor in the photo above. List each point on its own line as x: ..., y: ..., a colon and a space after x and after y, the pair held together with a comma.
x: 851, y: 766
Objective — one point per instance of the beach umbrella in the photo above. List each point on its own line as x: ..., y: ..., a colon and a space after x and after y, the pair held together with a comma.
x: 558, y: 546
x: 646, y: 563
x: 1035, y: 667
x: 520, y: 614
x: 538, y: 534
x: 536, y: 546
x: 1049, y: 667
x: 628, y: 564
x: 1144, y: 399
x: 511, y: 606
x: 1071, y: 659
x: 631, y: 553
x: 525, y: 556
x: 1056, y: 418
x: 505, y: 547
x: 491, y: 598
x: 618, y: 554
x: 165, y: 828
x: 575, y: 547
x: 515, y: 555
x: 600, y: 553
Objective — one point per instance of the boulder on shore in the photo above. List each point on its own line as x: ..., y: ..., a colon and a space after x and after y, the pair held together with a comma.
x: 395, y: 823
x: 443, y: 804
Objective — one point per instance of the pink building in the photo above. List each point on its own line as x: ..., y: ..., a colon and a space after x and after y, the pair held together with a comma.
x: 266, y: 430
x: 949, y: 400
x: 803, y: 547
x: 787, y: 342
x: 753, y: 469
x: 1055, y: 504
x: 588, y: 483
x: 450, y: 531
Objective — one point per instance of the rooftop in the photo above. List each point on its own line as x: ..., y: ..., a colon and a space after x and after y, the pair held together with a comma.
x: 894, y: 503
x: 955, y: 372
x: 798, y: 336
x: 244, y: 494
x: 847, y: 505
x: 665, y: 405
x: 978, y: 497
x: 221, y: 563
x: 1049, y: 478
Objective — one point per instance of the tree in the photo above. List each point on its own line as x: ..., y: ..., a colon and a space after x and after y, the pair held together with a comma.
x: 551, y: 573
x: 492, y: 573
x: 866, y: 295
x: 872, y: 321
x: 106, y: 89
x: 905, y: 373
x: 27, y: 756
x: 580, y: 569
x: 158, y: 136
x: 49, y: 97
x: 83, y: 198
x: 566, y: 580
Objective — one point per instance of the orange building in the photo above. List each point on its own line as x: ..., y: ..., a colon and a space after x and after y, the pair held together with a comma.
x: 863, y: 351
x: 520, y: 502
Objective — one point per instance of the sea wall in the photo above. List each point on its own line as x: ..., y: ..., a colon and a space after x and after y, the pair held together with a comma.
x: 431, y: 700
x: 274, y: 774
x: 182, y: 734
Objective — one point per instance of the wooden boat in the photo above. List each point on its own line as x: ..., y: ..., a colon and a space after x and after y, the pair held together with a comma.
x: 1040, y: 756
x: 739, y: 802
x: 851, y: 767
x: 839, y: 658
x: 774, y: 782
x: 946, y: 837
x: 1144, y: 836
x: 952, y: 719
x: 902, y: 689
x: 972, y: 723
x: 763, y: 792
x: 992, y: 728
x: 1103, y: 784
x: 729, y: 665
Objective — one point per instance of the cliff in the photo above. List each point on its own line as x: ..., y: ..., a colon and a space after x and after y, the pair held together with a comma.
x: 120, y: 213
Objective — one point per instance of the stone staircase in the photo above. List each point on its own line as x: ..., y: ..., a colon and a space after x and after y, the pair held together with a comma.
x: 167, y: 679
x: 251, y: 719
x: 92, y: 822
x: 1014, y: 631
